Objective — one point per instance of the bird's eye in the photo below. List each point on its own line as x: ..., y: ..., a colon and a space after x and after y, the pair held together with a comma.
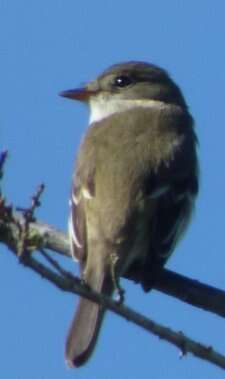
x: 122, y: 81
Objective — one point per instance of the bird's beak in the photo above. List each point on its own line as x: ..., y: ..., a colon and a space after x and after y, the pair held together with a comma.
x: 80, y: 94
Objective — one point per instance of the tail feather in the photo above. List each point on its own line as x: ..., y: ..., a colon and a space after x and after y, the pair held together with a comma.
x: 87, y: 321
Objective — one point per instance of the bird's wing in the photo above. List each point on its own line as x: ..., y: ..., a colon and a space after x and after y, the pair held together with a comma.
x: 173, y: 214
x: 174, y: 205
x: 77, y: 229
x: 82, y: 191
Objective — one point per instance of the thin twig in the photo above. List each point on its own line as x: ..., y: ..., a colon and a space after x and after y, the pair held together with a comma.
x: 28, y: 215
x: 57, y: 266
x: 3, y: 157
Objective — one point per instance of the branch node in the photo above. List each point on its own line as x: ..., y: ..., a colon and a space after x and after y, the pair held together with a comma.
x: 183, y: 345
x: 27, y: 239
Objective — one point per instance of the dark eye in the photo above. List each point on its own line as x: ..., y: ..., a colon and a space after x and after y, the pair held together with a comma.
x: 122, y: 81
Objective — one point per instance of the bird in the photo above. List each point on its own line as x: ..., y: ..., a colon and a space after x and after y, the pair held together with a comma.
x: 134, y: 187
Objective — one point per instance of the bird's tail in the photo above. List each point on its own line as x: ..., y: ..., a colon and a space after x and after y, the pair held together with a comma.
x: 87, y: 321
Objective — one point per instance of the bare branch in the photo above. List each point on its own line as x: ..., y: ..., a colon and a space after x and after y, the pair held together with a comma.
x: 185, y: 289
x: 41, y: 236
x: 66, y: 282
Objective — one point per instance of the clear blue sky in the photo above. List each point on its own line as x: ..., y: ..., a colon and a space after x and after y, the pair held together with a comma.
x: 48, y: 46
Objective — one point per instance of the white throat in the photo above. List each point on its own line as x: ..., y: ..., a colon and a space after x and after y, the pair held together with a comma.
x: 101, y: 107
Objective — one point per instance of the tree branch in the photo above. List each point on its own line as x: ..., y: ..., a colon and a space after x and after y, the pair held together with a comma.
x: 66, y: 282
x: 185, y: 289
x: 41, y: 236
